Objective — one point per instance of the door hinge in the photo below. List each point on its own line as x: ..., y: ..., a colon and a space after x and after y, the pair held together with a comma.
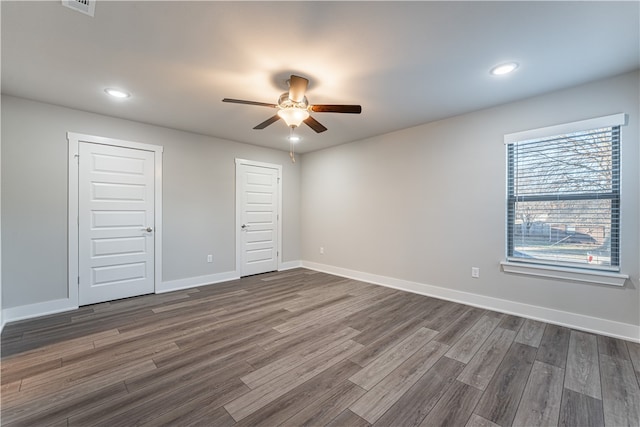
x: 278, y: 180
x: 78, y: 280
x: 77, y: 156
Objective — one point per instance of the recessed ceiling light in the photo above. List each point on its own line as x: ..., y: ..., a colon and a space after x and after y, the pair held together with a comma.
x: 117, y: 93
x: 502, y: 69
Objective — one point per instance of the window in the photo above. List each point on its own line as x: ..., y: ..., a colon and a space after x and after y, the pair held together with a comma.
x: 563, y: 194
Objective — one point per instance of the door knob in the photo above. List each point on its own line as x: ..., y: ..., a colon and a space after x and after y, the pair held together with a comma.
x: 244, y: 226
x: 148, y: 229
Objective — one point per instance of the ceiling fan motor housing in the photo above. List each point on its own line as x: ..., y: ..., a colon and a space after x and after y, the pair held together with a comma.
x: 285, y: 102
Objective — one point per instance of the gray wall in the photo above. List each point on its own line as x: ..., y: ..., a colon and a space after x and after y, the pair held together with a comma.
x: 198, y: 197
x: 423, y: 204
x: 426, y: 204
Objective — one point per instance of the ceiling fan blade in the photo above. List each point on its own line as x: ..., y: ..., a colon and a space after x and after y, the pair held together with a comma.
x: 332, y: 108
x: 267, y: 122
x: 241, y: 101
x: 315, y: 125
x: 297, y: 88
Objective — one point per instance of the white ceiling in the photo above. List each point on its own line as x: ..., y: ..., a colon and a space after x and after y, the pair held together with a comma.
x: 406, y: 63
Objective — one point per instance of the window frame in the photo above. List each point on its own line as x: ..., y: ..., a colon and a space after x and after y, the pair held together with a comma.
x: 549, y: 268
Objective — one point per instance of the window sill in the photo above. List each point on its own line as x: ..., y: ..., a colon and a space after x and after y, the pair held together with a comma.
x: 565, y: 273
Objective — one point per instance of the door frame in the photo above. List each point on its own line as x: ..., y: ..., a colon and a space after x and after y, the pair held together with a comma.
x: 74, y: 140
x: 239, y: 211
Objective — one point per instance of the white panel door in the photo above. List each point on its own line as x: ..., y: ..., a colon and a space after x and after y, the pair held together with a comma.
x: 116, y: 222
x: 259, y: 219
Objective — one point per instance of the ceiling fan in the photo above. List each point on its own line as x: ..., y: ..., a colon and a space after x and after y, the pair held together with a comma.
x: 294, y: 108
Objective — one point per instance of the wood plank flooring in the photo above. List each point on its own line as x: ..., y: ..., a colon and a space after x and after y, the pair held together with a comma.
x: 306, y: 348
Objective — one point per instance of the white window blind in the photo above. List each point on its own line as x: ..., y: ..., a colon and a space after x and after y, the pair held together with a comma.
x: 563, y: 195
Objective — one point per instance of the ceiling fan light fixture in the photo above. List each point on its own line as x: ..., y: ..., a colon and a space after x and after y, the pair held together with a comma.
x: 293, y: 117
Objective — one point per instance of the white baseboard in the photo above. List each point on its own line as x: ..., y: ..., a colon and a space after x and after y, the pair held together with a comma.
x: 210, y: 279
x: 29, y: 311
x: 557, y: 317
x: 194, y: 282
x: 571, y: 320
x: 290, y: 265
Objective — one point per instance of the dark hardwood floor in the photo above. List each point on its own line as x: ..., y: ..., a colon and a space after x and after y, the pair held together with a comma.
x: 307, y: 348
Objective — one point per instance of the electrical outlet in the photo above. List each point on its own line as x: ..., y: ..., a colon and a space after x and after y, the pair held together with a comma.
x: 321, y: 250
x: 209, y: 258
x: 475, y: 272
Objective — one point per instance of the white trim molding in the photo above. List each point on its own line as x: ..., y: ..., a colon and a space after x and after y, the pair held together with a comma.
x: 212, y: 279
x: 565, y: 273
x: 289, y: 265
x: 194, y: 282
x: 619, y: 119
x: 557, y: 317
x: 572, y: 320
x: 30, y: 311
x: 38, y: 309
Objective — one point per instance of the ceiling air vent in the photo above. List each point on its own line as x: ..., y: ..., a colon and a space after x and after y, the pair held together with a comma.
x: 87, y: 7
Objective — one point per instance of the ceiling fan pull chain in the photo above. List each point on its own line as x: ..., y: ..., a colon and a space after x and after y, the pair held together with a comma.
x: 291, y: 153
x: 291, y: 149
